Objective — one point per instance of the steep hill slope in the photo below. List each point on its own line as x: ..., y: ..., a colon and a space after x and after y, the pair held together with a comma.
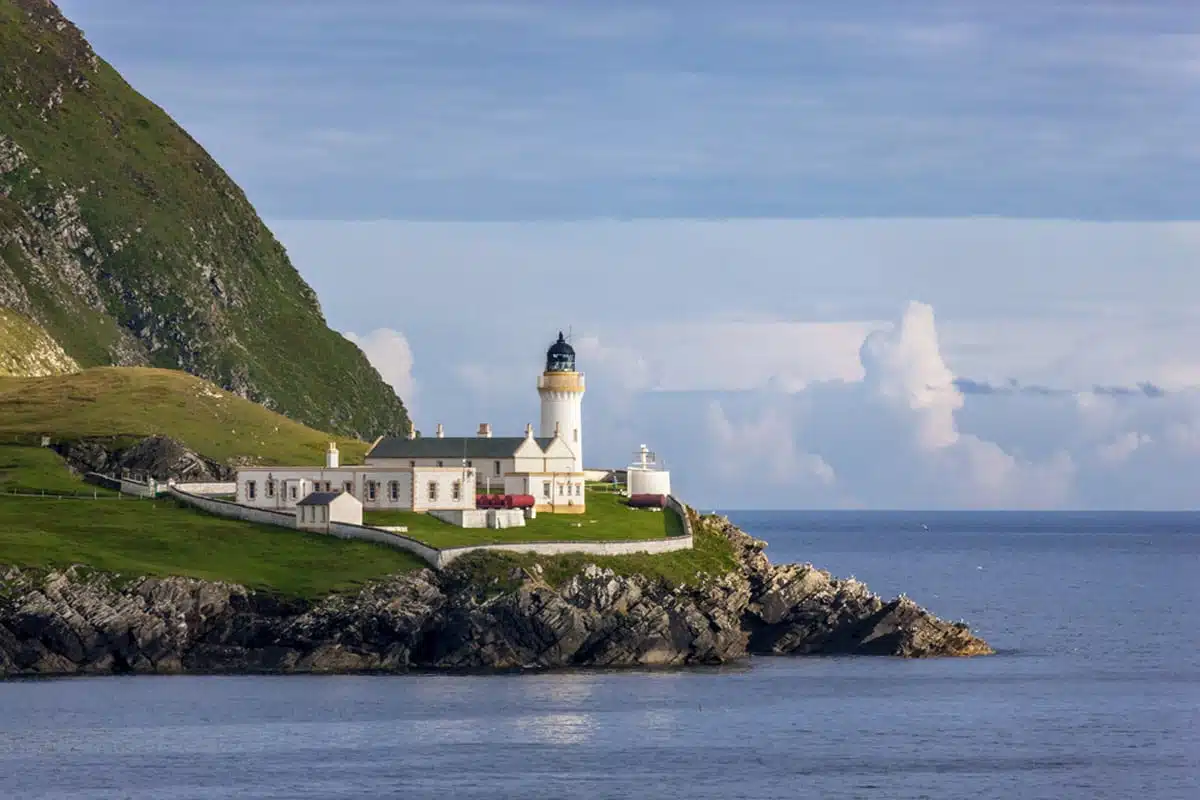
x: 134, y: 402
x: 27, y: 350
x: 129, y: 245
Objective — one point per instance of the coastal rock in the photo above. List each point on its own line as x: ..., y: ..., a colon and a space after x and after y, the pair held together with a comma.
x: 83, y: 621
x: 159, y: 457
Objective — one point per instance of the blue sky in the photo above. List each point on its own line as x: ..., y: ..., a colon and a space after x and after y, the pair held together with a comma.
x: 795, y: 242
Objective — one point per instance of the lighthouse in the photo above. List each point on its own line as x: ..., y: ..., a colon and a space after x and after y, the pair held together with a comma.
x: 561, y: 389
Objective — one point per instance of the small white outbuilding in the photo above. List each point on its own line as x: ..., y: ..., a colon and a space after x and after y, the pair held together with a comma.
x: 316, y: 511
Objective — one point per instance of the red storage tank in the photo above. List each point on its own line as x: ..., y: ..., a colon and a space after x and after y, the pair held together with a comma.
x: 647, y: 501
x: 521, y: 501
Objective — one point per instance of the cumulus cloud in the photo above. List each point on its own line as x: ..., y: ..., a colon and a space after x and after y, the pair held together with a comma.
x: 389, y: 352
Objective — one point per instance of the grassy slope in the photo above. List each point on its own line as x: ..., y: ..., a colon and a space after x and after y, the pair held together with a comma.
x: 157, y: 537
x: 129, y: 401
x: 606, y: 519
x: 38, y: 469
x: 185, y: 261
x: 26, y: 349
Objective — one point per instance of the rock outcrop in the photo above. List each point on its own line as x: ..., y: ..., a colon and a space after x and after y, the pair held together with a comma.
x: 159, y: 457
x: 82, y: 621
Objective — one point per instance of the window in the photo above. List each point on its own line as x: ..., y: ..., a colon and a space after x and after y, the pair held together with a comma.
x: 271, y: 488
x: 456, y: 490
x: 576, y: 434
x: 328, y: 486
x: 560, y: 490
x: 372, y: 487
x: 393, y: 490
x: 578, y: 489
x: 412, y: 464
x: 348, y: 487
x: 546, y: 489
x: 496, y: 465
x: 468, y: 462
x: 292, y: 491
x: 433, y: 491
x: 251, y: 490
x: 440, y: 464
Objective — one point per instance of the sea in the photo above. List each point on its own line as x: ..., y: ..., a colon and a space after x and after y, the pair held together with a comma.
x: 1094, y: 693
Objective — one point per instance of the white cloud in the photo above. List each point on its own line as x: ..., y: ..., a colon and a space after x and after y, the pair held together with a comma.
x: 389, y: 352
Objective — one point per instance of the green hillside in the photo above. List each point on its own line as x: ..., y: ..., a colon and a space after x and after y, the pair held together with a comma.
x: 132, y: 402
x: 129, y: 245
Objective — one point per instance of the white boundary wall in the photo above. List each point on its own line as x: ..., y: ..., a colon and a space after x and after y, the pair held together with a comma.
x: 229, y: 488
x: 342, y: 530
x: 438, y: 559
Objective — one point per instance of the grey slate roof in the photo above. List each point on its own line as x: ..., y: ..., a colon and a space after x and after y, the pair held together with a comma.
x: 318, y: 499
x: 451, y: 447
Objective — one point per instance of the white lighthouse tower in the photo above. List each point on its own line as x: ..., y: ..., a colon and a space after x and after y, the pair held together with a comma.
x: 561, y: 388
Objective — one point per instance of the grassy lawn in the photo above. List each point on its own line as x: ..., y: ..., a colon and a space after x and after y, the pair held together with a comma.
x: 607, y: 518
x: 37, y: 469
x: 158, y: 537
x: 136, y: 402
x: 711, y: 555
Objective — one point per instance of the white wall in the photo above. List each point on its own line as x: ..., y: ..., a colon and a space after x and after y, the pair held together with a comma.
x: 209, y: 488
x: 649, y: 481
x: 314, y: 479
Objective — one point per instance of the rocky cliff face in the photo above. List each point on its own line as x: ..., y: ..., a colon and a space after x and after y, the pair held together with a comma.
x: 128, y: 245
x: 86, y: 622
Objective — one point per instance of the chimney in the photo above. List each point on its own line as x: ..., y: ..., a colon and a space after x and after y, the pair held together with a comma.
x: 331, y: 456
x: 529, y: 430
x: 412, y: 432
x: 485, y: 430
x: 441, y: 433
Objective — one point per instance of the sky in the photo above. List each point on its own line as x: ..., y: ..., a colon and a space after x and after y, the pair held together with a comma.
x: 934, y: 254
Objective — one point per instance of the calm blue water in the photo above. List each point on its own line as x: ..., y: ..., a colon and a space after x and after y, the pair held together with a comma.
x: 1095, y: 694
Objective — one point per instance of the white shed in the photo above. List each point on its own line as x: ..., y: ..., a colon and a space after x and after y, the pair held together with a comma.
x: 317, y: 510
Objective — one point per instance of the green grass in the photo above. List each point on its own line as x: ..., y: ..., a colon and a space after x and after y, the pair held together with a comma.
x: 131, y: 402
x: 158, y: 537
x: 37, y: 469
x: 711, y: 555
x: 607, y: 519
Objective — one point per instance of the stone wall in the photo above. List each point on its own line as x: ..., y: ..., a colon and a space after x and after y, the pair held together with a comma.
x: 560, y: 548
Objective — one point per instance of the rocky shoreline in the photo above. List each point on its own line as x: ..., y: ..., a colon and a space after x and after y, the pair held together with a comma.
x: 80, y: 621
